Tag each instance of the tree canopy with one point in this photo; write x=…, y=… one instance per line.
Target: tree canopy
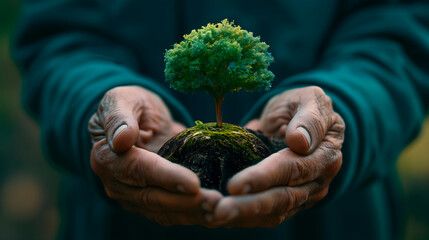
x=219, y=58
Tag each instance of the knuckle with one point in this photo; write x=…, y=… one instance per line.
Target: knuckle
x=113, y=93
x=163, y=219
x=328, y=101
x=112, y=119
x=339, y=120
x=100, y=158
x=131, y=171
x=295, y=171
x=275, y=221
x=303, y=199
x=145, y=171
x=332, y=159
x=113, y=189
x=338, y=125
x=135, y=171
x=300, y=170
x=146, y=197
x=320, y=182
x=110, y=193
x=107, y=102
x=150, y=216
x=280, y=219
x=278, y=176
x=94, y=165
x=94, y=127
x=317, y=197
x=317, y=90
x=324, y=110
x=321, y=96
x=337, y=163
x=308, y=205
x=288, y=198
x=324, y=193
x=266, y=207
x=329, y=155
x=127, y=206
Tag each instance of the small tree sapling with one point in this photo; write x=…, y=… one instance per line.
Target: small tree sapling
x=219, y=58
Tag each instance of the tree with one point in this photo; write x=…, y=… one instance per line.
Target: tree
x=219, y=58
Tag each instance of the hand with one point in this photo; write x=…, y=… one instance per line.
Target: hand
x=266, y=194
x=130, y=125
x=130, y=116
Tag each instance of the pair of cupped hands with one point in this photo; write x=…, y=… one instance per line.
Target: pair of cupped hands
x=132, y=124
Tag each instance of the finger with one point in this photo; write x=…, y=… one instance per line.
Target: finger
x=279, y=201
x=141, y=168
x=159, y=200
x=144, y=137
x=274, y=117
x=335, y=134
x=119, y=118
x=287, y=168
x=169, y=218
x=95, y=128
x=253, y=124
x=168, y=208
x=268, y=221
x=309, y=125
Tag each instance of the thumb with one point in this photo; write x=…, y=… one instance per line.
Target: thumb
x=121, y=129
x=307, y=129
x=253, y=124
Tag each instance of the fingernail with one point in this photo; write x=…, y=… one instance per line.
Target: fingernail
x=233, y=214
x=117, y=132
x=209, y=217
x=246, y=189
x=306, y=135
x=181, y=189
x=206, y=207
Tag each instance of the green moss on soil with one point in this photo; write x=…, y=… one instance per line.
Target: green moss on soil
x=229, y=136
x=215, y=153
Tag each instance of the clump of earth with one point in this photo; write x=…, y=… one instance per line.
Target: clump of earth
x=215, y=154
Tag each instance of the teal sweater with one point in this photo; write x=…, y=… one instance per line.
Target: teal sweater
x=370, y=57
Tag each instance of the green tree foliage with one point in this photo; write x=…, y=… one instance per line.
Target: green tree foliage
x=219, y=58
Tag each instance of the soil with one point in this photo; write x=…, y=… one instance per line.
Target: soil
x=215, y=154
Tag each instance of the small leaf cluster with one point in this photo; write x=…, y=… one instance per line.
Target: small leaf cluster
x=219, y=58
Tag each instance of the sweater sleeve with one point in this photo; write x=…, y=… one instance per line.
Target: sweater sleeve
x=375, y=68
x=68, y=61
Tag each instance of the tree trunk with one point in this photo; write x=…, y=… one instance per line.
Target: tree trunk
x=218, y=105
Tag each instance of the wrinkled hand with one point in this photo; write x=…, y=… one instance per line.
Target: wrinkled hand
x=266, y=194
x=131, y=124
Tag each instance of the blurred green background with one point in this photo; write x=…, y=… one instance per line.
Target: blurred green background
x=29, y=184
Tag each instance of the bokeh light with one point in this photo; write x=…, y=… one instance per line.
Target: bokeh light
x=21, y=197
